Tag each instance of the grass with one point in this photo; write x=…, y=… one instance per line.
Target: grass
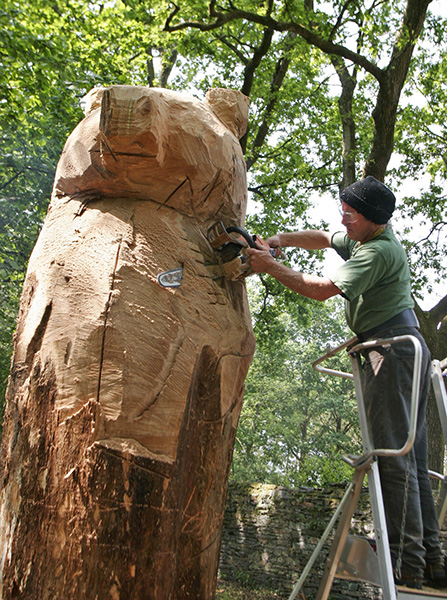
x=234, y=591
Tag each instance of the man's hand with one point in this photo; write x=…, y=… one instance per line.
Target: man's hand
x=275, y=244
x=260, y=257
x=311, y=286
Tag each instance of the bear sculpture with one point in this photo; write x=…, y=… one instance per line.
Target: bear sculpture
x=130, y=356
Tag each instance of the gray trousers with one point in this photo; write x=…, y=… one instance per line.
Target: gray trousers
x=387, y=383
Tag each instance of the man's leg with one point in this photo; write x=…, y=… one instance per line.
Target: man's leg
x=388, y=375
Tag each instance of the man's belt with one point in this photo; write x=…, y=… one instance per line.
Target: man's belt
x=406, y=318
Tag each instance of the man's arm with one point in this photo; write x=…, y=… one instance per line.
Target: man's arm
x=311, y=286
x=309, y=240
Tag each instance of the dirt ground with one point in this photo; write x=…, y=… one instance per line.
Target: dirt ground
x=233, y=591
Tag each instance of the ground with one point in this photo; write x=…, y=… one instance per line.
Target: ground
x=233, y=591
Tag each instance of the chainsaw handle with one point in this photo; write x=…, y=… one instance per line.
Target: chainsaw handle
x=247, y=237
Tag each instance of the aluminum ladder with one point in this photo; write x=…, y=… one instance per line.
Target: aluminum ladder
x=353, y=557
x=438, y=369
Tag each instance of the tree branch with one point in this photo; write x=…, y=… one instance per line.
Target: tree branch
x=436, y=226
x=233, y=48
x=255, y=61
x=267, y=21
x=282, y=67
x=13, y=178
x=167, y=64
x=345, y=102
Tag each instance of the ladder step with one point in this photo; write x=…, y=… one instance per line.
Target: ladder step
x=359, y=561
x=404, y=593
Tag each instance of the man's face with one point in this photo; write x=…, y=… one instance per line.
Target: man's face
x=358, y=227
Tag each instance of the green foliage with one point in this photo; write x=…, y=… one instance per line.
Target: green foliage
x=51, y=54
x=296, y=423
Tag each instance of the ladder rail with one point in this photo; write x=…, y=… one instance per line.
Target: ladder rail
x=330, y=352
x=354, y=350
x=440, y=393
x=330, y=526
x=441, y=402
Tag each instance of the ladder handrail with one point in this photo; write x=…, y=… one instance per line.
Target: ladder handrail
x=414, y=391
x=330, y=352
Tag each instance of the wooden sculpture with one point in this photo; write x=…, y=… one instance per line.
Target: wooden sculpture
x=124, y=395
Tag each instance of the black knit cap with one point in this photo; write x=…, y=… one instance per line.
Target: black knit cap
x=371, y=198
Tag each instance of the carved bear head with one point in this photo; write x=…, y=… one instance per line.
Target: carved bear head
x=159, y=145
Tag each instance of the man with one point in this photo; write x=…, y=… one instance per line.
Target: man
x=375, y=283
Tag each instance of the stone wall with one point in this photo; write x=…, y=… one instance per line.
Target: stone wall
x=270, y=533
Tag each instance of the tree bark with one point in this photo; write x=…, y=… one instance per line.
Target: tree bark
x=124, y=395
x=391, y=82
x=345, y=102
x=434, y=330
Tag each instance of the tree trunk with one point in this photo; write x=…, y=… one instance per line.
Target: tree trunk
x=434, y=329
x=124, y=395
x=348, y=84
x=391, y=82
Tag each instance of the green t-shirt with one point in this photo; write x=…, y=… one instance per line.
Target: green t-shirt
x=374, y=280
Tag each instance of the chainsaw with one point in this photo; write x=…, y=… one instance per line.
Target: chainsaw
x=230, y=245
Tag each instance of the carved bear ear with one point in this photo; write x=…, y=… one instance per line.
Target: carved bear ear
x=231, y=107
x=92, y=100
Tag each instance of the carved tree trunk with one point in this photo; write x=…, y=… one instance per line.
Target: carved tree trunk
x=124, y=395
